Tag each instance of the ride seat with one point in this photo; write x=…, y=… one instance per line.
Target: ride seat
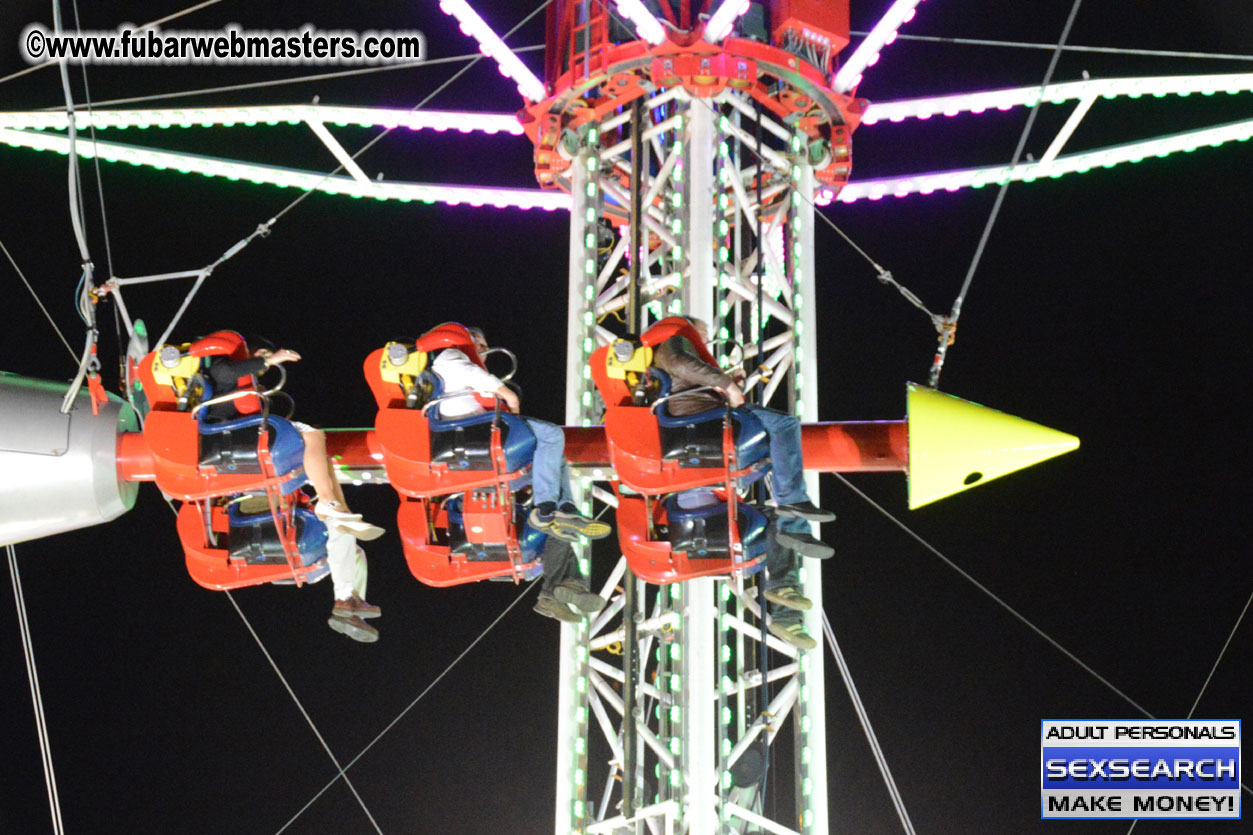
x=701, y=530
x=696, y=440
x=465, y=443
x=253, y=538
x=230, y=446
x=530, y=541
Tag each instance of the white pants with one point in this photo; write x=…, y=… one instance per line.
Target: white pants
x=346, y=560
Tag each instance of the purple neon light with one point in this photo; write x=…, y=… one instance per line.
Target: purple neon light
x=950, y=181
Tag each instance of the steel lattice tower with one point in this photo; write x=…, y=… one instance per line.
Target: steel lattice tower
x=663, y=710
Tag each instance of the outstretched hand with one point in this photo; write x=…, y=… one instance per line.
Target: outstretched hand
x=278, y=357
x=735, y=396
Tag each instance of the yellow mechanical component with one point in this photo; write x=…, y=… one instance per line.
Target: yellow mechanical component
x=613, y=649
x=641, y=358
x=176, y=377
x=955, y=444
x=406, y=372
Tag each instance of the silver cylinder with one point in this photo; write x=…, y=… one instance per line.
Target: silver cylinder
x=58, y=472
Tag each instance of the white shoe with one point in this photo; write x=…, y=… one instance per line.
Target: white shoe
x=356, y=528
x=332, y=510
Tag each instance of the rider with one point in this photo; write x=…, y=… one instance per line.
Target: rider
x=563, y=593
x=795, y=510
x=345, y=559
x=553, y=508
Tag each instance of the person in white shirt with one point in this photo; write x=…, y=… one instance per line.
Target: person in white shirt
x=553, y=509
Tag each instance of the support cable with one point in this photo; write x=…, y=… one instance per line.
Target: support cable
x=1221, y=653
x=1007, y=607
x=303, y=712
x=862, y=717
x=1107, y=50
x=39, y=302
x=948, y=333
x=367, y=146
x=412, y=704
x=88, y=362
x=300, y=79
x=41, y=724
x=263, y=229
x=95, y=154
x=1197, y=701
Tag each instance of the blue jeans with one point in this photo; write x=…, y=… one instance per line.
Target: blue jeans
x=550, y=475
x=785, y=453
x=782, y=565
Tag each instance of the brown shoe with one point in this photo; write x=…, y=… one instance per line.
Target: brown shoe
x=355, y=628
x=572, y=593
x=354, y=605
x=552, y=608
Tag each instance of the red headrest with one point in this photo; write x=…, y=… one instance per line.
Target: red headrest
x=220, y=344
x=450, y=335
x=677, y=326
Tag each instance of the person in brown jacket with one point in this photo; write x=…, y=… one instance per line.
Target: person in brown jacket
x=795, y=511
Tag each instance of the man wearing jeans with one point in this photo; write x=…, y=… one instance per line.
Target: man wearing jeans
x=791, y=537
x=554, y=510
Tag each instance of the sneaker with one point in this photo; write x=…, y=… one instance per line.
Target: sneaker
x=569, y=524
x=542, y=515
x=550, y=607
x=804, y=544
x=790, y=598
x=354, y=605
x=580, y=598
x=793, y=633
x=354, y=627
x=808, y=511
x=356, y=528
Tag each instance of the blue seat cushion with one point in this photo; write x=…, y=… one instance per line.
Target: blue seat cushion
x=231, y=447
x=465, y=443
x=254, y=539
x=696, y=440
x=702, y=531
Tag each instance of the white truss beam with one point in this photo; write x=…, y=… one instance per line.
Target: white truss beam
x=1106, y=88
x=337, y=150
x=453, y=195
x=250, y=116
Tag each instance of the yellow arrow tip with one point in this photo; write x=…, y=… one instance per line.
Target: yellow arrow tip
x=955, y=444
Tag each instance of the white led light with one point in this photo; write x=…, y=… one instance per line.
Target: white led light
x=439, y=120
x=452, y=195
x=646, y=26
x=723, y=19
x=493, y=47
x=867, y=52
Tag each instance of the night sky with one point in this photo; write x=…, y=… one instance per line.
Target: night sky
x=1113, y=305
